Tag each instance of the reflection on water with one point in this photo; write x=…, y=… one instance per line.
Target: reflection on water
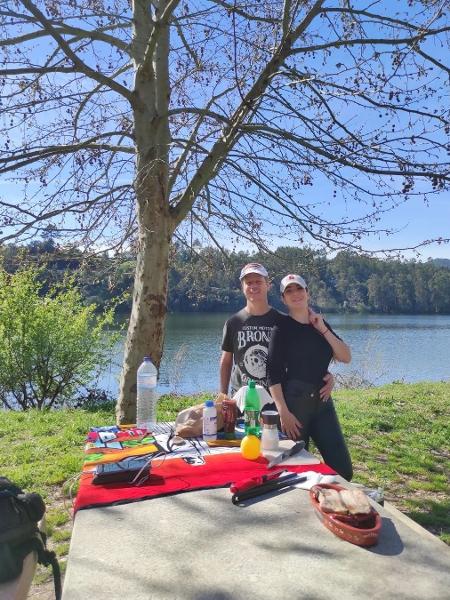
x=384, y=349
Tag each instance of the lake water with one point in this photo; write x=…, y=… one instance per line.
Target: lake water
x=385, y=348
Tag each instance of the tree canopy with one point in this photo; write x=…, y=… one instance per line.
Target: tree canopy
x=130, y=124
x=206, y=281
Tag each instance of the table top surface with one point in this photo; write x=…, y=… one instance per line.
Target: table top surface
x=198, y=545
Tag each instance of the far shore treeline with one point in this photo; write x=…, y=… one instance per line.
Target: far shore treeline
x=205, y=279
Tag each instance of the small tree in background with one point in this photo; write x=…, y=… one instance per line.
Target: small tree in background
x=51, y=344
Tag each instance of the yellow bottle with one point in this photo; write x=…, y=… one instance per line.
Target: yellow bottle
x=251, y=445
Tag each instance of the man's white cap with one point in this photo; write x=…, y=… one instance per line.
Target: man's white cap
x=292, y=279
x=253, y=268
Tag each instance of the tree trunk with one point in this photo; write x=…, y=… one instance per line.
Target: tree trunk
x=146, y=328
x=156, y=224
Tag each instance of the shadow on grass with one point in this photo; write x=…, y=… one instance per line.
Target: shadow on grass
x=93, y=400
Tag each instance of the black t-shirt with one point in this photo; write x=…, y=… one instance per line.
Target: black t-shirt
x=247, y=337
x=298, y=351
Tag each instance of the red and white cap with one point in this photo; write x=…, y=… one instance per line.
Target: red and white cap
x=292, y=279
x=253, y=268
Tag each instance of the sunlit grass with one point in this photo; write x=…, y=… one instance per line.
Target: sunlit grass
x=398, y=435
x=399, y=439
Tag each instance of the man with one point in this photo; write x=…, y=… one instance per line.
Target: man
x=246, y=335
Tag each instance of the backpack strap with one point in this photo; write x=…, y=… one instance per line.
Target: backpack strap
x=46, y=557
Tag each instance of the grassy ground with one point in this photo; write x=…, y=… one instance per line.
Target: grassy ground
x=399, y=439
x=398, y=435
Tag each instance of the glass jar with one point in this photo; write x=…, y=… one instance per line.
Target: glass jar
x=269, y=435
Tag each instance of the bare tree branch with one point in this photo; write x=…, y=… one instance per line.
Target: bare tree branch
x=210, y=165
x=83, y=67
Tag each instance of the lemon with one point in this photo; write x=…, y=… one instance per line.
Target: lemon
x=250, y=447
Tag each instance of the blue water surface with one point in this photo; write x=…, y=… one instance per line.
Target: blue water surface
x=385, y=348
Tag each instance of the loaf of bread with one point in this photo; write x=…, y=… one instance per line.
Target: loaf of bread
x=330, y=502
x=353, y=502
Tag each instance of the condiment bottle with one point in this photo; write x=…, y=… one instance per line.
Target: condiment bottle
x=209, y=421
x=269, y=435
x=229, y=410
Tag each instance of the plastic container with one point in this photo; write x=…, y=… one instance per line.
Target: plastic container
x=147, y=396
x=269, y=435
x=209, y=421
x=229, y=410
x=251, y=409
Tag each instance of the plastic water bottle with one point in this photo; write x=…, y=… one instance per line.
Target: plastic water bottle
x=251, y=409
x=146, y=394
x=209, y=421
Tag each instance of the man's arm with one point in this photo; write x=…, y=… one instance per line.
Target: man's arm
x=226, y=364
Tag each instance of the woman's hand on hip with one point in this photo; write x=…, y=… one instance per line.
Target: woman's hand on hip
x=325, y=391
x=290, y=425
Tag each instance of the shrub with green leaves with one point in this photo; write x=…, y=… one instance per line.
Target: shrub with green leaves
x=51, y=344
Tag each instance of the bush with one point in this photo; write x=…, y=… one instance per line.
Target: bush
x=50, y=344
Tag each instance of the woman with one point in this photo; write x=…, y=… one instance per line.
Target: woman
x=300, y=351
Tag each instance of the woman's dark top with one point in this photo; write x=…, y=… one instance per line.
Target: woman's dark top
x=298, y=351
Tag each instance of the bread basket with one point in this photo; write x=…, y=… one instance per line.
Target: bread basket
x=359, y=529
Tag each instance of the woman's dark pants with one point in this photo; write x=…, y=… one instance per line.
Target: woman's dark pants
x=320, y=423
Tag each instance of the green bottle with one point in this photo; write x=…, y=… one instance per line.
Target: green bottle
x=251, y=409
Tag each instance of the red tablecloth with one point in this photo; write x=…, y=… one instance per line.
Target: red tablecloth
x=175, y=475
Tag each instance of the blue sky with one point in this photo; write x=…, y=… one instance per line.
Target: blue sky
x=417, y=222
x=414, y=220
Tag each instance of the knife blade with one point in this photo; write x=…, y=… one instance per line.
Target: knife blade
x=298, y=447
x=271, y=486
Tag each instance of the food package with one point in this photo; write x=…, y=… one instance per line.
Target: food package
x=189, y=421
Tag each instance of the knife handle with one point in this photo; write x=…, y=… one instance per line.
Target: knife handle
x=287, y=454
x=270, y=486
x=297, y=447
x=246, y=484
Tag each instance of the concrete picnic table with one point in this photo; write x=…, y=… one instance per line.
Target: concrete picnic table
x=199, y=546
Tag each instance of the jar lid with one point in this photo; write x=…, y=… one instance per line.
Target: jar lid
x=270, y=417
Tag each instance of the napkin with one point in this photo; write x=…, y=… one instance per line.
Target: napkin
x=314, y=478
x=264, y=396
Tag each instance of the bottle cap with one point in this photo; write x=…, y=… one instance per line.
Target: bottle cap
x=147, y=358
x=209, y=403
x=270, y=417
x=251, y=383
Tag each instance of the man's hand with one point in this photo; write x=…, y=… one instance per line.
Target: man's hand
x=325, y=391
x=290, y=425
x=226, y=365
